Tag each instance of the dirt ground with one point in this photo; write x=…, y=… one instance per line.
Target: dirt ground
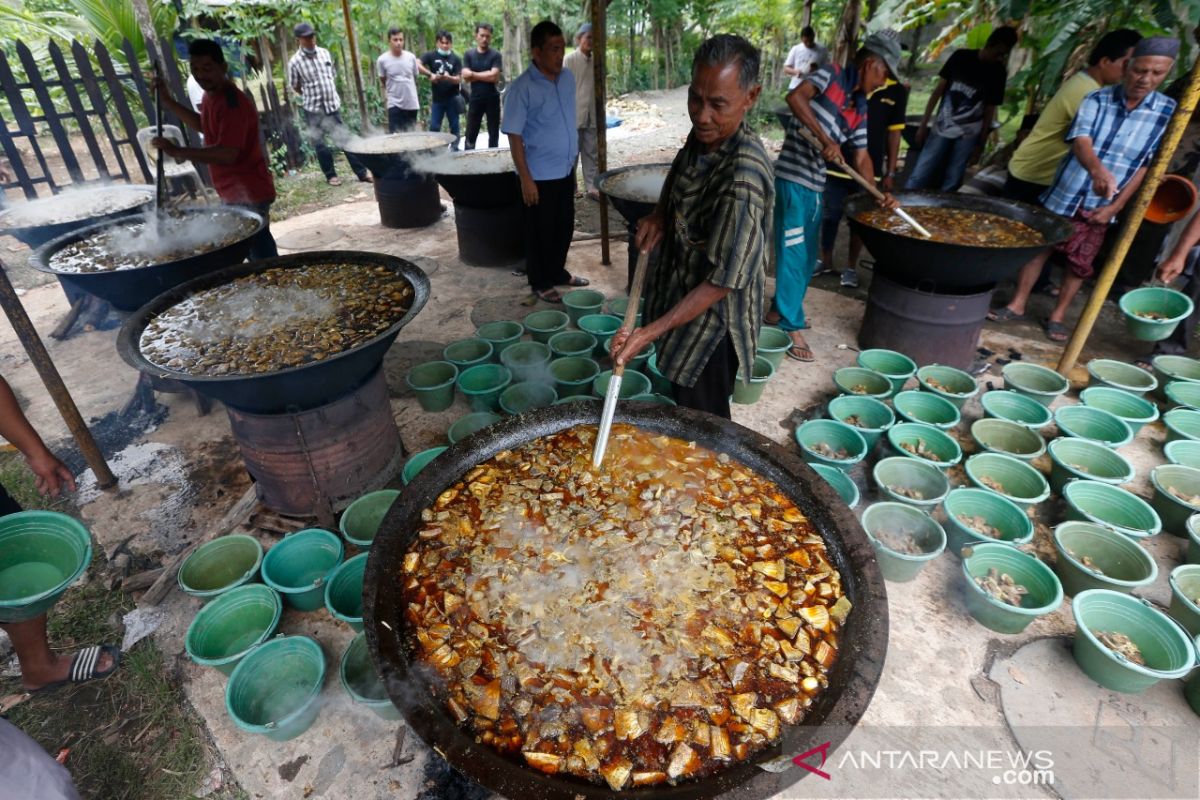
x=180, y=472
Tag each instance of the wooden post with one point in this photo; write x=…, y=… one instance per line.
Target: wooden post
x=1132, y=221
x=599, y=45
x=358, y=84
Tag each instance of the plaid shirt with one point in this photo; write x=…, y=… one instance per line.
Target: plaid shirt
x=718, y=214
x=314, y=76
x=842, y=112
x=1124, y=140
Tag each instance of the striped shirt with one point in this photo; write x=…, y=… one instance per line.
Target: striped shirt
x=718, y=215
x=841, y=109
x=1123, y=139
x=314, y=76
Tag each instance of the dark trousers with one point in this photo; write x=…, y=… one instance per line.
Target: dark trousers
x=321, y=126
x=263, y=244
x=1177, y=343
x=715, y=384
x=7, y=504
x=832, y=204
x=476, y=111
x=549, y=226
x=449, y=110
x=401, y=119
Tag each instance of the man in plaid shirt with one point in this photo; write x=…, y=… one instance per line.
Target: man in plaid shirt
x=310, y=72
x=1116, y=133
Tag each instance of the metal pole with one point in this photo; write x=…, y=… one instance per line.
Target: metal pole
x=1132, y=221
x=358, y=85
x=599, y=45
x=53, y=381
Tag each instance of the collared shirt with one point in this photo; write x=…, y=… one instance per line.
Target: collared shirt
x=718, y=217
x=585, y=95
x=314, y=75
x=1037, y=159
x=1124, y=140
x=841, y=110
x=542, y=113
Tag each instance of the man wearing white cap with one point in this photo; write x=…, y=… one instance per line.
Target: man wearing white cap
x=580, y=64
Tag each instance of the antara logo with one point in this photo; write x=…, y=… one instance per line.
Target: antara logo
x=802, y=760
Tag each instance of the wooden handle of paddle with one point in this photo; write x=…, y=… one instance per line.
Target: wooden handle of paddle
x=635, y=300
x=811, y=138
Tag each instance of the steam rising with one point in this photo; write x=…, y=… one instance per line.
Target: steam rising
x=76, y=205
x=394, y=143
x=641, y=185
x=467, y=162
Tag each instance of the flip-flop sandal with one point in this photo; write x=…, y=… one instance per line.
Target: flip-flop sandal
x=334, y=181
x=549, y=296
x=84, y=667
x=1005, y=314
x=794, y=352
x=1055, y=331
x=577, y=281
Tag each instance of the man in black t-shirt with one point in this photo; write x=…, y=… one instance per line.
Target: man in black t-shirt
x=444, y=70
x=971, y=85
x=481, y=68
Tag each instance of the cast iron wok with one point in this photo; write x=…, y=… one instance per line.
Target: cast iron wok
x=863, y=641
x=126, y=199
x=396, y=165
x=499, y=188
x=631, y=209
x=916, y=261
x=295, y=388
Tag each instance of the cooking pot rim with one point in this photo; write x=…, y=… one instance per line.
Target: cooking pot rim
x=146, y=190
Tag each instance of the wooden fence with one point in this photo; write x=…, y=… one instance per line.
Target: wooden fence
x=92, y=106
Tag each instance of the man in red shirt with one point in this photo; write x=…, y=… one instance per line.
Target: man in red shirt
x=232, y=150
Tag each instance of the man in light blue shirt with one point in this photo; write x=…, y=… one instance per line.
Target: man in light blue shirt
x=539, y=120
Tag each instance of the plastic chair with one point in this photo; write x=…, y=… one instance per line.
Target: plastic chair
x=172, y=169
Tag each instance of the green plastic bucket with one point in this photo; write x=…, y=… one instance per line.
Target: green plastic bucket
x=659, y=383
x=220, y=565
x=773, y=344
x=632, y=383
x=883, y=522
x=1072, y=459
x=1044, y=594
x=482, y=385
x=541, y=325
x=1018, y=482
x=1185, y=597
x=418, y=461
x=274, y=689
x=298, y=566
x=475, y=421
x=1003, y=515
x=1167, y=650
x=1119, y=375
x=529, y=361
x=1175, y=511
x=841, y=483
x=1173, y=307
x=1183, y=393
x=468, y=352
x=617, y=306
x=362, y=682
x=926, y=408
x=1114, y=561
x=601, y=327
x=863, y=383
x=1182, y=423
x=1183, y=451
x=749, y=392
x=224, y=630
x=433, y=384
x=1191, y=688
x=939, y=443
x=1111, y=506
x=1035, y=382
x=1193, y=549
x=362, y=518
x=572, y=344
x=638, y=362
x=1174, y=368
x=957, y=386
x=873, y=416
x=1007, y=438
x=1134, y=411
x=1093, y=424
x=344, y=590
x=837, y=436
x=573, y=375
x=1012, y=406
x=526, y=396
x=656, y=399
x=41, y=554
x=502, y=335
x=581, y=302
x=911, y=482
x=896, y=366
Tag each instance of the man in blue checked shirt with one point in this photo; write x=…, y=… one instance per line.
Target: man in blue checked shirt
x=1116, y=133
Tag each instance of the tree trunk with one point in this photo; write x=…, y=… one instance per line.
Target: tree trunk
x=806, y=15
x=847, y=32
x=141, y=10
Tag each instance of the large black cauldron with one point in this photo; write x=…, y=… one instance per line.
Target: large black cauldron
x=286, y=390
x=488, y=211
x=863, y=641
x=632, y=202
x=100, y=203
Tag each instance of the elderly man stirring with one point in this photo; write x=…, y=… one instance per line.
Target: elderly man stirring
x=704, y=300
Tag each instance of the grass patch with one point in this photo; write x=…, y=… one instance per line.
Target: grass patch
x=308, y=191
x=19, y=480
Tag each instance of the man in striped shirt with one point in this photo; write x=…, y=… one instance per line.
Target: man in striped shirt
x=831, y=105
x=1115, y=134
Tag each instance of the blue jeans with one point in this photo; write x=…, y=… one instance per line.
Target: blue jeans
x=449, y=109
x=951, y=155
x=797, y=236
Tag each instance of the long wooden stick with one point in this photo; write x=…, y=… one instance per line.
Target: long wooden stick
x=160, y=195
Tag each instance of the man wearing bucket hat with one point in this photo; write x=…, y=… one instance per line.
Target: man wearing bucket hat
x=830, y=104
x=1116, y=133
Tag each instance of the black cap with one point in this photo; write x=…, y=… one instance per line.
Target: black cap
x=303, y=29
